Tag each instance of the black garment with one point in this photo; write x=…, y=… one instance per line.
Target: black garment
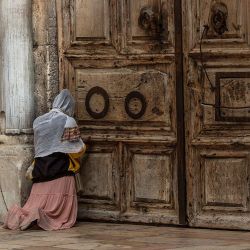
x=51, y=167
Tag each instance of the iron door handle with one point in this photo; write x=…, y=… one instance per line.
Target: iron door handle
x=150, y=21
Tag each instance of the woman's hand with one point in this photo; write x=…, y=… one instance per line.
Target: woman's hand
x=87, y=140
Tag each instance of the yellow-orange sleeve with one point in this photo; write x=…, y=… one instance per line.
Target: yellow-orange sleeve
x=74, y=163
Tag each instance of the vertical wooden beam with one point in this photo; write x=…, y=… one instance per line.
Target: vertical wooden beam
x=180, y=112
x=17, y=65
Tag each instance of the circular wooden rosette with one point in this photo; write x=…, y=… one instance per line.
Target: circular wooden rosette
x=104, y=94
x=141, y=98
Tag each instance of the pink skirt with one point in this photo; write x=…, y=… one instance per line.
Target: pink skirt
x=52, y=204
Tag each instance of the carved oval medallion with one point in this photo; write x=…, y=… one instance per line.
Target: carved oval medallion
x=97, y=91
x=138, y=97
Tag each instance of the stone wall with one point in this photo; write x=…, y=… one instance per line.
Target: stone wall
x=16, y=154
x=45, y=53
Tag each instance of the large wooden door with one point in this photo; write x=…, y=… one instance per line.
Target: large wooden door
x=122, y=60
x=217, y=101
x=119, y=59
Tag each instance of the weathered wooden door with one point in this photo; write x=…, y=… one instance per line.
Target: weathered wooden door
x=119, y=59
x=122, y=60
x=217, y=91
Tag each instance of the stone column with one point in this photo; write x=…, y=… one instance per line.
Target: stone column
x=17, y=74
x=16, y=101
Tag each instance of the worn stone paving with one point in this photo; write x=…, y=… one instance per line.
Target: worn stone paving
x=107, y=236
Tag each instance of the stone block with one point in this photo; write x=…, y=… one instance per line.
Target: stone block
x=14, y=188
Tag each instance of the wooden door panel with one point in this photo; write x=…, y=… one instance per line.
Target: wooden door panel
x=88, y=27
x=134, y=7
x=100, y=177
x=225, y=191
x=220, y=193
x=143, y=36
x=233, y=96
x=217, y=116
x=155, y=84
x=151, y=181
x=225, y=104
x=95, y=16
x=237, y=24
x=121, y=86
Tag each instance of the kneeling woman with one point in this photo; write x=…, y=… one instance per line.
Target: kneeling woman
x=52, y=203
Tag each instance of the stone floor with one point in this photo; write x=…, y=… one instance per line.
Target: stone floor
x=104, y=236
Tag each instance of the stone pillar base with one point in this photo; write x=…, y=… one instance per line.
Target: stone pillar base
x=16, y=155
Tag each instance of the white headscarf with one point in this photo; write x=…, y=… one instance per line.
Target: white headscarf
x=49, y=128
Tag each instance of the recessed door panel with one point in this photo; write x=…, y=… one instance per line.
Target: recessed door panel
x=151, y=180
x=227, y=23
x=95, y=16
x=148, y=26
x=100, y=173
x=128, y=95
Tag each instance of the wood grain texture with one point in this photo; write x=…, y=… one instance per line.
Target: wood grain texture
x=135, y=40
x=217, y=148
x=237, y=24
x=131, y=174
x=118, y=84
x=95, y=15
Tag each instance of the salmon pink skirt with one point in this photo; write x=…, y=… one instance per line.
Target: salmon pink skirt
x=52, y=205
